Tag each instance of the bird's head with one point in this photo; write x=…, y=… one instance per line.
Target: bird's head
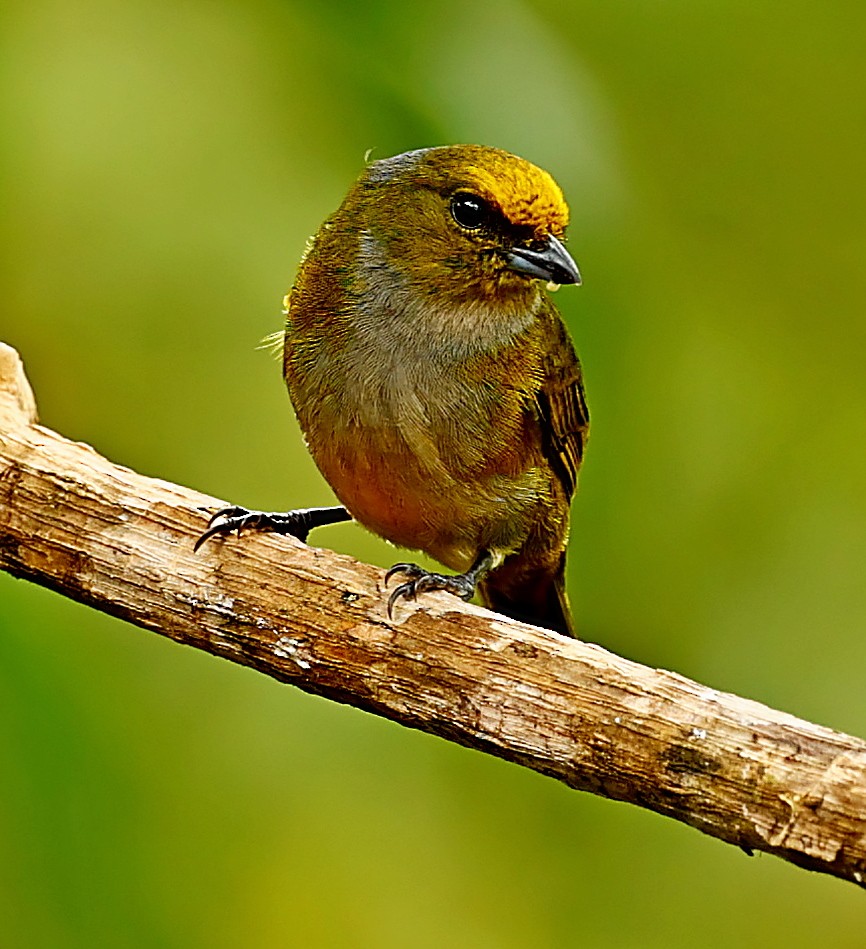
x=464, y=223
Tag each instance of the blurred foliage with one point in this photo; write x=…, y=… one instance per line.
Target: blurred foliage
x=161, y=166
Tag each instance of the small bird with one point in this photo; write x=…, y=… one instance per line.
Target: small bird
x=434, y=380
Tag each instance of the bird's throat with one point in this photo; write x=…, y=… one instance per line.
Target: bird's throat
x=395, y=312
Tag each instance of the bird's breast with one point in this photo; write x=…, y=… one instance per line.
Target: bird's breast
x=431, y=461
x=418, y=413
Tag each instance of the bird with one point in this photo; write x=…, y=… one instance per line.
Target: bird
x=434, y=380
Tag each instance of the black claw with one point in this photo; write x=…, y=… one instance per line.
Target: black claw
x=234, y=518
x=210, y=532
x=297, y=523
x=406, y=590
x=411, y=569
x=423, y=581
x=227, y=512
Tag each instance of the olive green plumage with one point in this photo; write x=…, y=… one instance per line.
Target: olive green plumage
x=436, y=385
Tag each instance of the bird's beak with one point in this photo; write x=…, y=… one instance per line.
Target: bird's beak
x=549, y=261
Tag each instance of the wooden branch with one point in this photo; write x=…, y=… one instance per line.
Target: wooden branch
x=737, y=770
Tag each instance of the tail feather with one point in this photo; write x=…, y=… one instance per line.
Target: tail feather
x=530, y=597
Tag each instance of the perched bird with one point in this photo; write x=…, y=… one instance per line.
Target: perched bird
x=434, y=380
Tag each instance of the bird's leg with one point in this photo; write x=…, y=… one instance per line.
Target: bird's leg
x=297, y=523
x=421, y=580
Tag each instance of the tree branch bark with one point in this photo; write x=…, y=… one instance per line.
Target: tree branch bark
x=122, y=543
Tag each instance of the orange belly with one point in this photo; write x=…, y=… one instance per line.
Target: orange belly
x=426, y=507
x=386, y=495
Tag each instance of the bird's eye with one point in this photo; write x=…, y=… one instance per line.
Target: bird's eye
x=468, y=210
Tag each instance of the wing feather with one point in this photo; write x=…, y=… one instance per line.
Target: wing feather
x=562, y=410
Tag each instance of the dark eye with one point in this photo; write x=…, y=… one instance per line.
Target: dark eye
x=468, y=210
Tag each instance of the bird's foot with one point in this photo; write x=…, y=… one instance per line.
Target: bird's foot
x=421, y=580
x=296, y=523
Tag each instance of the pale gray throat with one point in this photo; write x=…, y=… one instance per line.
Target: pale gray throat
x=393, y=316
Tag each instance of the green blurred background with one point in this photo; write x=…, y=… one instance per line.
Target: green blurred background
x=162, y=165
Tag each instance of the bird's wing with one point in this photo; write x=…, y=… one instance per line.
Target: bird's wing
x=562, y=409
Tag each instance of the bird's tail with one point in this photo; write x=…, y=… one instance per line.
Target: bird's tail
x=530, y=596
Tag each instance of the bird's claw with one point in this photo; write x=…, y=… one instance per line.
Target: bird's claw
x=235, y=518
x=422, y=581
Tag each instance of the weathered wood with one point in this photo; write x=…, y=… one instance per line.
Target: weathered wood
x=121, y=542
